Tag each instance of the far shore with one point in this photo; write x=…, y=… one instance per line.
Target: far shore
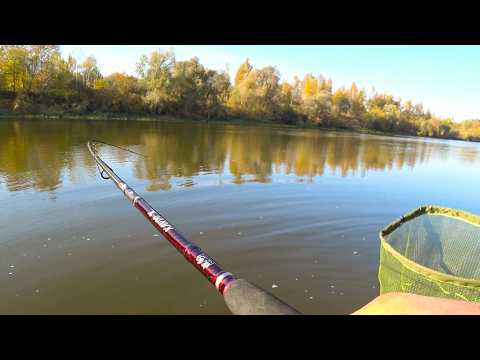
x=236, y=121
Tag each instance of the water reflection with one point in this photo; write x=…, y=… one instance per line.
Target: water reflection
x=41, y=154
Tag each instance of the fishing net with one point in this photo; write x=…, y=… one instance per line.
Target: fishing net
x=432, y=251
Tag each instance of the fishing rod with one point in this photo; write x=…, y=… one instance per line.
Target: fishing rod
x=241, y=296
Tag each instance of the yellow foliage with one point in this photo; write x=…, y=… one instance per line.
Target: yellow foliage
x=286, y=89
x=310, y=87
x=243, y=72
x=100, y=84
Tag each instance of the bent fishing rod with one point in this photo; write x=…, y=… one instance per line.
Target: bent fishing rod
x=241, y=296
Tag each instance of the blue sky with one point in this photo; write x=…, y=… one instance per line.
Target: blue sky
x=446, y=79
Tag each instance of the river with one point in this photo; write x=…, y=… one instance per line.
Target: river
x=296, y=211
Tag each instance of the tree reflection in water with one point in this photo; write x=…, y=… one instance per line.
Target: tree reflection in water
x=39, y=154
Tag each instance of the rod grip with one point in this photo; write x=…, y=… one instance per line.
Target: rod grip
x=244, y=298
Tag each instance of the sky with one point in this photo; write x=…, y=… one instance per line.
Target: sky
x=446, y=79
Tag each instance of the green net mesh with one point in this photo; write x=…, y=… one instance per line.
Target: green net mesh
x=432, y=251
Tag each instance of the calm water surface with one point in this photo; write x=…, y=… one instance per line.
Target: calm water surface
x=300, y=209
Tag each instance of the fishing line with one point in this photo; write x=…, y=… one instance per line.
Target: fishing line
x=101, y=171
x=116, y=146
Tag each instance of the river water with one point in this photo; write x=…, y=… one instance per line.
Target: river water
x=296, y=211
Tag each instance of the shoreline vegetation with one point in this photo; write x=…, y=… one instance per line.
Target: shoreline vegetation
x=232, y=121
x=36, y=82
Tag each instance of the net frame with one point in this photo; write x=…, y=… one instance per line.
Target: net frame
x=420, y=269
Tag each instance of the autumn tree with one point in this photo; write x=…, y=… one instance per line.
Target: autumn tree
x=13, y=65
x=119, y=92
x=258, y=94
x=37, y=79
x=89, y=72
x=243, y=72
x=342, y=102
x=155, y=75
x=310, y=86
x=357, y=108
x=217, y=91
x=318, y=108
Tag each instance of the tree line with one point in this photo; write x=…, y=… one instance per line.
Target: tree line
x=36, y=79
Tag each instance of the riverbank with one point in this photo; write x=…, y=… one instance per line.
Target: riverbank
x=236, y=121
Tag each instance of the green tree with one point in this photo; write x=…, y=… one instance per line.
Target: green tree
x=156, y=78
